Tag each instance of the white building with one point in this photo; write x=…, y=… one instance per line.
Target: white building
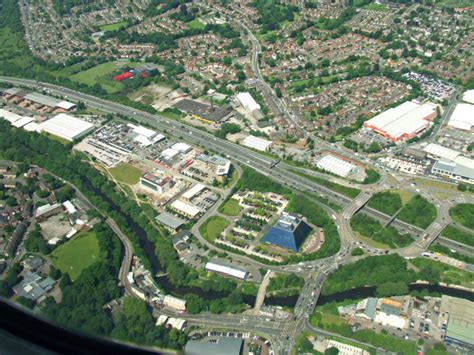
x=441, y=152
x=214, y=266
x=468, y=96
x=247, y=102
x=156, y=183
x=404, y=121
x=161, y=320
x=257, y=143
x=145, y=136
x=169, y=154
x=67, y=127
x=345, y=349
x=174, y=302
x=193, y=191
x=182, y=147
x=176, y=323
x=9, y=116
x=185, y=209
x=336, y=166
x=22, y=122
x=462, y=117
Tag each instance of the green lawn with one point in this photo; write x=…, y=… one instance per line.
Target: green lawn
x=76, y=254
x=101, y=74
x=458, y=235
x=377, y=7
x=230, y=208
x=386, y=202
x=449, y=274
x=196, y=24
x=463, y=213
x=213, y=227
x=113, y=26
x=126, y=173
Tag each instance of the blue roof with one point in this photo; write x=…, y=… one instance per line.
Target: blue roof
x=289, y=232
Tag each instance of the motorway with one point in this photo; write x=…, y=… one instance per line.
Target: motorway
x=316, y=271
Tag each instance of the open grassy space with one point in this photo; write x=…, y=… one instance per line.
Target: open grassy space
x=343, y=190
x=370, y=242
x=405, y=196
x=196, y=24
x=213, y=227
x=76, y=254
x=230, y=208
x=102, y=74
x=458, y=235
x=463, y=213
x=126, y=173
x=377, y=7
x=386, y=201
x=113, y=26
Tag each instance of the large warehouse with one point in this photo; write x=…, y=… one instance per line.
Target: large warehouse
x=462, y=117
x=336, y=166
x=247, y=102
x=256, y=143
x=460, y=329
x=67, y=127
x=223, y=268
x=404, y=121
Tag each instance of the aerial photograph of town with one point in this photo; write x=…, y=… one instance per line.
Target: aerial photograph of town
x=237, y=177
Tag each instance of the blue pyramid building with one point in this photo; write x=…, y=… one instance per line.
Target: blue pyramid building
x=288, y=232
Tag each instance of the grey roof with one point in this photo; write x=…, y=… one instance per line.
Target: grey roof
x=12, y=91
x=182, y=236
x=463, y=171
x=168, y=220
x=213, y=159
x=371, y=307
x=33, y=263
x=223, y=346
x=445, y=166
x=33, y=287
x=43, y=99
x=203, y=110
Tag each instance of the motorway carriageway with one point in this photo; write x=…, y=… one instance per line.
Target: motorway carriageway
x=204, y=139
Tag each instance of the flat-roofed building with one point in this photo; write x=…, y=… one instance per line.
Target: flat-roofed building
x=391, y=306
x=462, y=117
x=22, y=122
x=193, y=192
x=460, y=329
x=169, y=221
x=226, y=269
x=174, y=302
x=47, y=211
x=67, y=127
x=345, y=349
x=177, y=323
x=336, y=166
x=185, y=209
x=9, y=116
x=182, y=147
x=219, y=346
x=257, y=143
x=439, y=151
x=404, y=121
x=204, y=112
x=160, y=184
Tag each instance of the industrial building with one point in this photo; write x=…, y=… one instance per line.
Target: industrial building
x=169, y=221
x=289, y=232
x=345, y=349
x=220, y=164
x=468, y=96
x=460, y=328
x=462, y=117
x=223, y=268
x=9, y=116
x=249, y=104
x=182, y=147
x=438, y=151
x=22, y=122
x=33, y=286
x=67, y=127
x=45, y=211
x=39, y=100
x=203, y=112
x=257, y=143
x=174, y=302
x=404, y=121
x=144, y=136
x=176, y=323
x=185, y=209
x=156, y=183
x=220, y=346
x=460, y=169
x=336, y=166
x=193, y=192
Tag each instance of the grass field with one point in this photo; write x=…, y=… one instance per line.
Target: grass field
x=101, y=74
x=76, y=254
x=370, y=242
x=377, y=7
x=113, y=26
x=458, y=235
x=463, y=213
x=126, y=173
x=213, y=227
x=404, y=195
x=196, y=24
x=230, y=208
x=449, y=274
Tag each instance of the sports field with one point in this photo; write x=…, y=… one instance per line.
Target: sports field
x=101, y=74
x=126, y=173
x=76, y=254
x=113, y=26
